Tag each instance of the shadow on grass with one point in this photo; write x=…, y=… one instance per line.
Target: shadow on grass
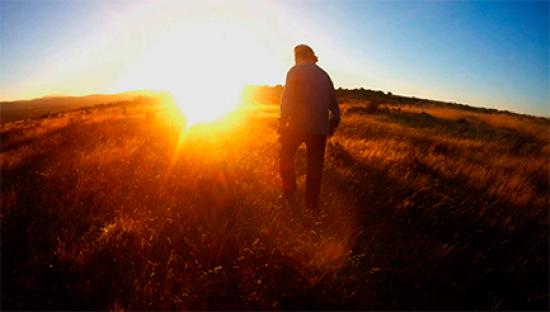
x=33, y=277
x=419, y=250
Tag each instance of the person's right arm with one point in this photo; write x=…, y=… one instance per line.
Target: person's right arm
x=286, y=99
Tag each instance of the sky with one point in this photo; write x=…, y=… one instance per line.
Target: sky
x=481, y=53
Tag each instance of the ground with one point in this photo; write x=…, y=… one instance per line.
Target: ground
x=125, y=207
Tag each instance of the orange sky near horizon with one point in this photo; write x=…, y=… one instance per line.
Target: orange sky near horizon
x=446, y=51
x=203, y=54
x=181, y=47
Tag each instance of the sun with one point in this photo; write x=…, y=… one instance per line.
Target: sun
x=204, y=54
x=206, y=69
x=204, y=62
x=202, y=68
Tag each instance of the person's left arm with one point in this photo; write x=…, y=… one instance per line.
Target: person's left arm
x=334, y=108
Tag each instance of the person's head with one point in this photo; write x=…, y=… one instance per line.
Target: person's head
x=304, y=54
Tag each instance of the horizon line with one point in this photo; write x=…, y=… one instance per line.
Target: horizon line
x=388, y=92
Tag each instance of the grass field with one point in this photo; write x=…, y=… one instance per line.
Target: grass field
x=116, y=207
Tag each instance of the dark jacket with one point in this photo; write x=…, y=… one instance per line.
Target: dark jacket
x=307, y=99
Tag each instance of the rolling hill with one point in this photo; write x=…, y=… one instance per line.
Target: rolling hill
x=122, y=206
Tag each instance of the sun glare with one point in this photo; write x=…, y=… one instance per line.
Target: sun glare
x=203, y=61
x=207, y=80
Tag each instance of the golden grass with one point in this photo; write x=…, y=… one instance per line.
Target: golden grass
x=120, y=209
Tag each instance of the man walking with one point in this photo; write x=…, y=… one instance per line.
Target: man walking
x=307, y=100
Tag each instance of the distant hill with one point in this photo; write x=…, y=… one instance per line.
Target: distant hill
x=15, y=110
x=271, y=95
x=21, y=109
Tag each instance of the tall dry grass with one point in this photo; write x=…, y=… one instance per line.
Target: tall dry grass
x=118, y=208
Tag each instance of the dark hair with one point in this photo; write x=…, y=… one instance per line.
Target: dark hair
x=304, y=52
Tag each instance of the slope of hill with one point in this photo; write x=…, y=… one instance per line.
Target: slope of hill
x=16, y=110
x=120, y=207
x=271, y=94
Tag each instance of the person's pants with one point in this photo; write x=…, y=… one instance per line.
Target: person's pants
x=315, y=149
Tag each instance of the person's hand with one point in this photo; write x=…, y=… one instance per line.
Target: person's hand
x=282, y=129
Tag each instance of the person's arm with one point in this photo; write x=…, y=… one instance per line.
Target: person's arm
x=286, y=100
x=334, y=109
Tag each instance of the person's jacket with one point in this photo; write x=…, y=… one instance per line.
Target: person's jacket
x=308, y=98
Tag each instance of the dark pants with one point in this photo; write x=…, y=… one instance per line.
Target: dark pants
x=315, y=146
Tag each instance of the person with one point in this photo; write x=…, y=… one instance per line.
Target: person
x=309, y=113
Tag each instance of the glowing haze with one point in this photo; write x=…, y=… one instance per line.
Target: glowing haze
x=487, y=54
x=204, y=53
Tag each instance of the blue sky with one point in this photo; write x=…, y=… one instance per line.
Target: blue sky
x=483, y=53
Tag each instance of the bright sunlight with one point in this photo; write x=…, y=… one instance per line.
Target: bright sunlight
x=204, y=62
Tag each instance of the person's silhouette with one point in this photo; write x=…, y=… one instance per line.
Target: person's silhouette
x=308, y=98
